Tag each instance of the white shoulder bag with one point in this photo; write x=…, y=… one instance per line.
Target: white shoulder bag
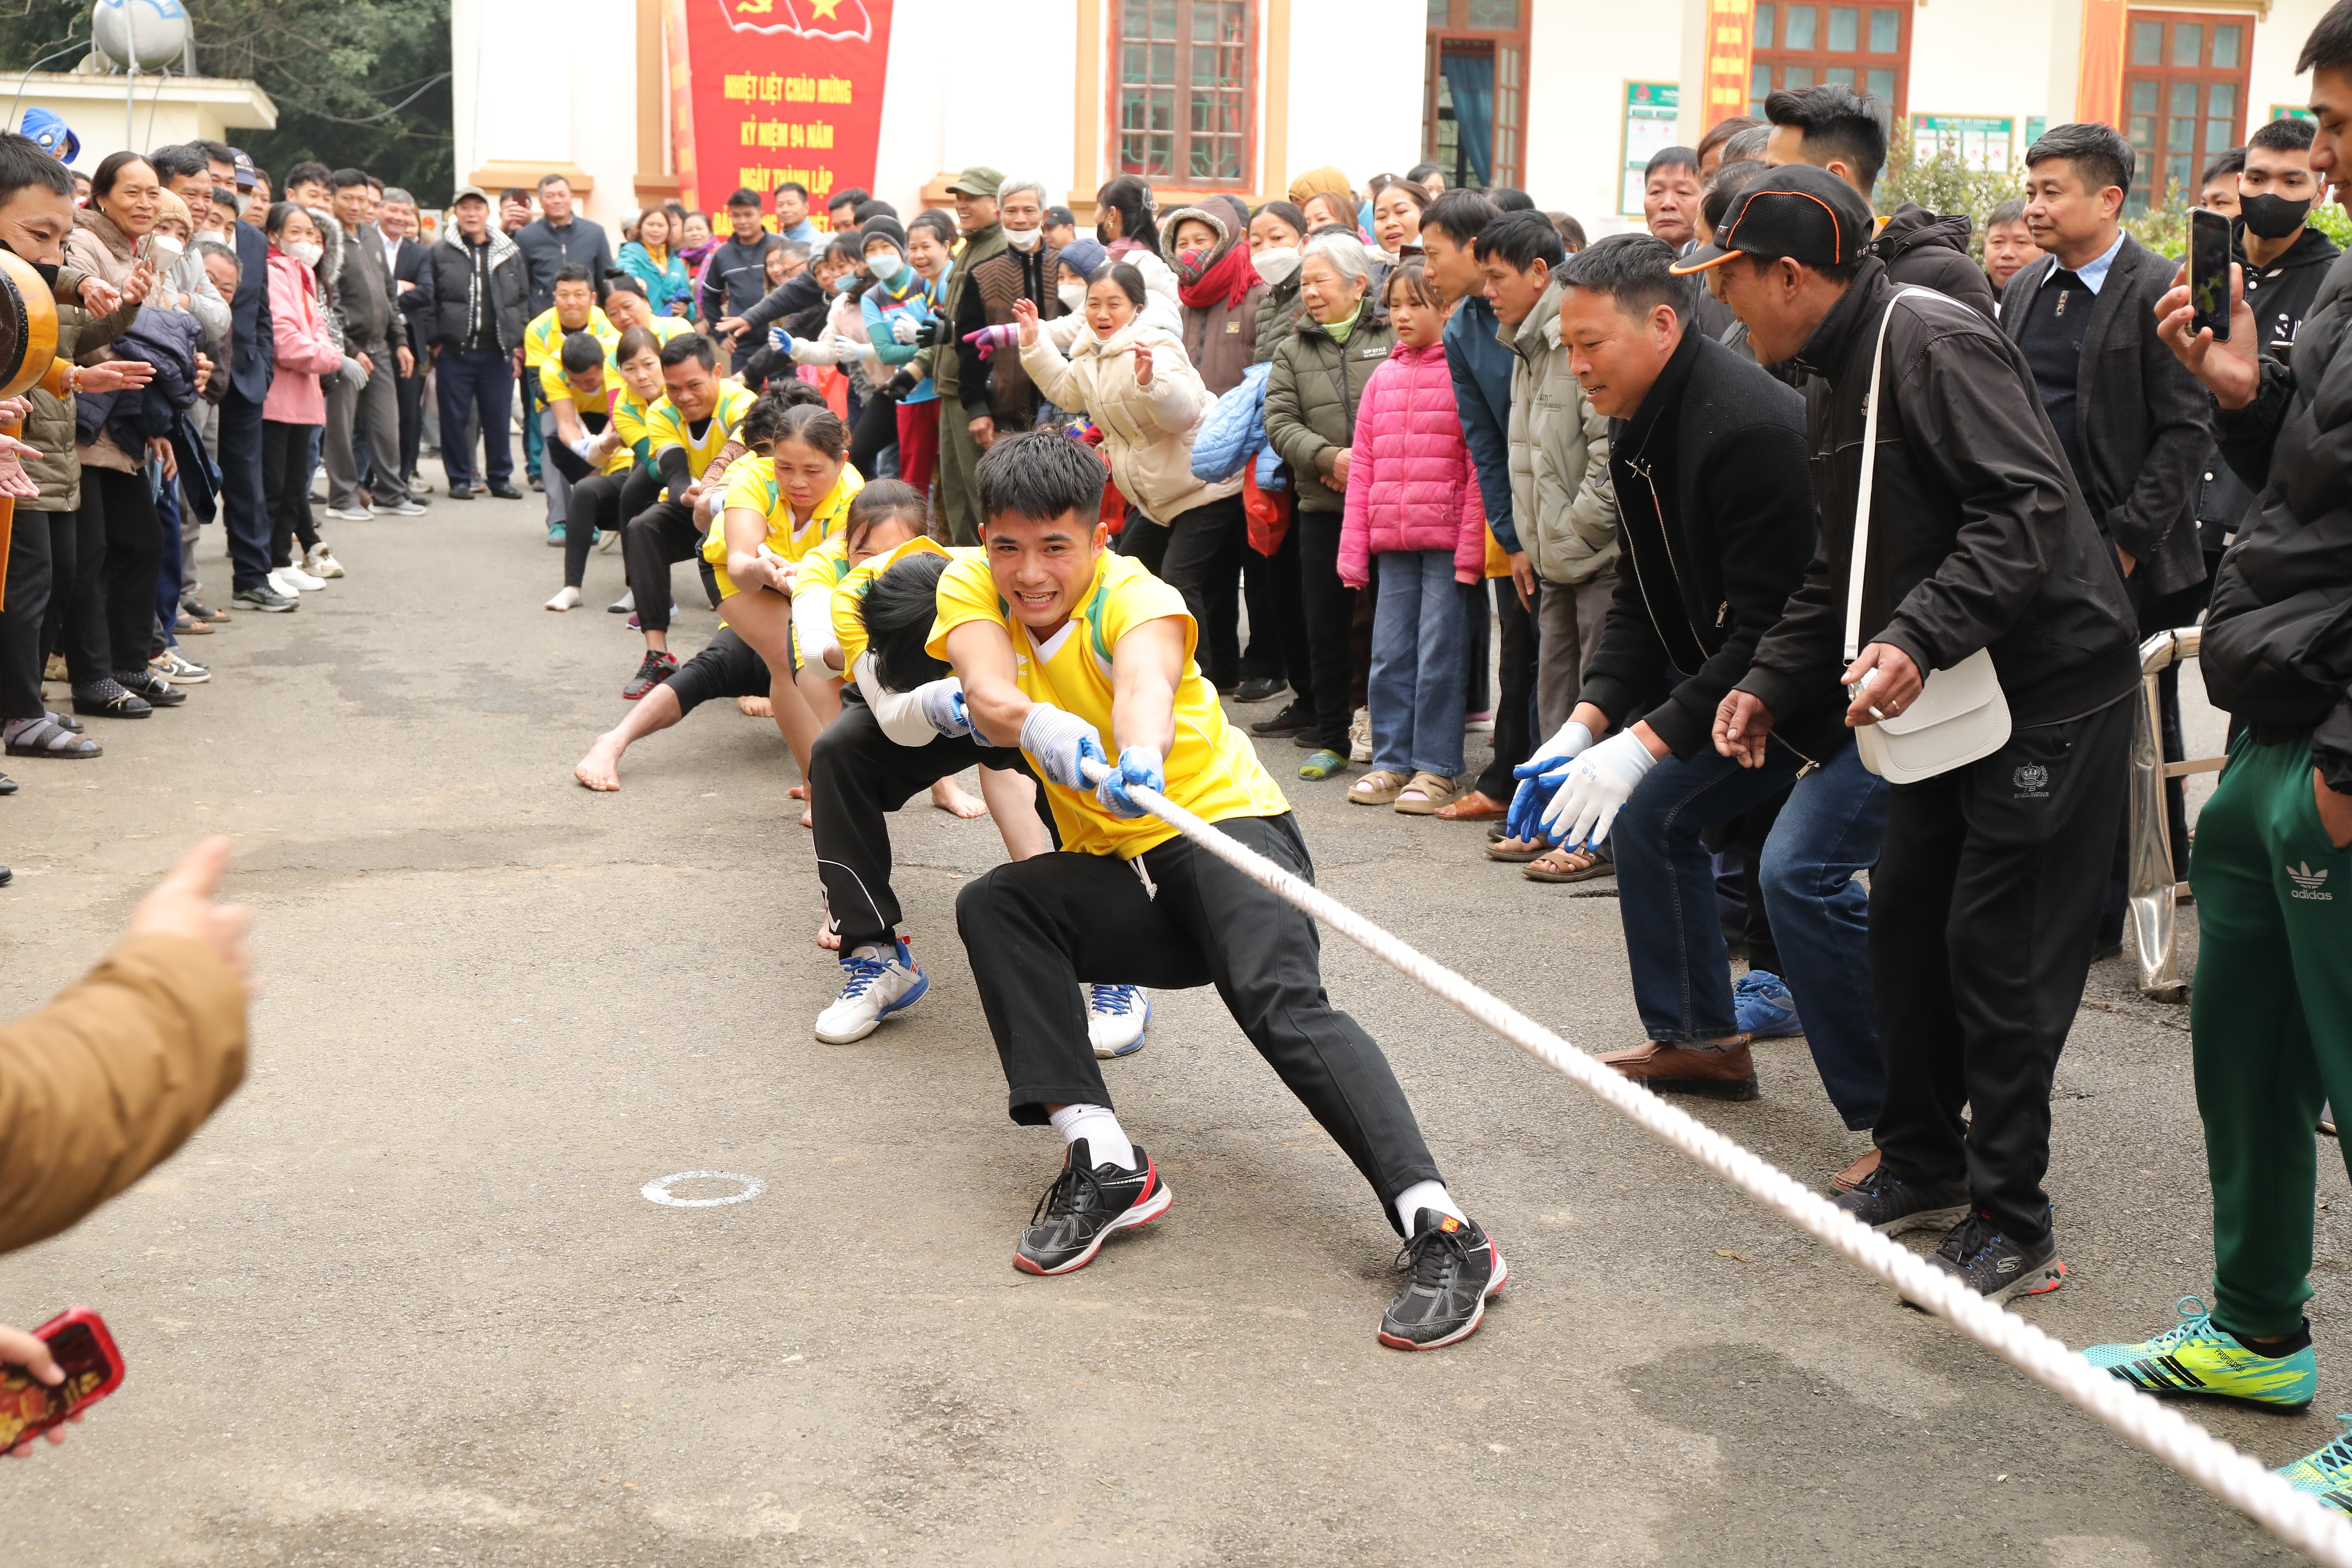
x=1961, y=714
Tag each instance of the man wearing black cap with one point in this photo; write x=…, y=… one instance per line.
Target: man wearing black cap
x=975, y=191
x=1986, y=898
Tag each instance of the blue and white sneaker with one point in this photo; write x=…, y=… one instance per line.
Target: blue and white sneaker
x=555, y=534
x=1765, y=1009
x=1117, y=1017
x=876, y=988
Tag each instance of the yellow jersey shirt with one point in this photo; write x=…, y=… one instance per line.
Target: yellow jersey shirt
x=542, y=351
x=751, y=487
x=1211, y=771
x=666, y=426
x=849, y=598
x=629, y=413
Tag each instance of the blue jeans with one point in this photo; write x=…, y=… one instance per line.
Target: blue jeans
x=1420, y=645
x=1829, y=830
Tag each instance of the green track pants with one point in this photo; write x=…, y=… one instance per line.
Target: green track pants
x=2270, y=1017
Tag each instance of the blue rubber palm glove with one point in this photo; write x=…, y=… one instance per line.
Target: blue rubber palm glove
x=943, y=708
x=1540, y=777
x=1060, y=743
x=1137, y=765
x=1599, y=783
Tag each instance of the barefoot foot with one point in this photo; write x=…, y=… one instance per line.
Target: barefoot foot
x=601, y=768
x=949, y=796
x=756, y=707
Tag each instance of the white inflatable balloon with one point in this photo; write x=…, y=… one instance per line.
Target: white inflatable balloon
x=151, y=34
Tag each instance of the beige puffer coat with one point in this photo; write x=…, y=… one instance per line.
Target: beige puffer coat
x=102, y=251
x=1562, y=501
x=1148, y=430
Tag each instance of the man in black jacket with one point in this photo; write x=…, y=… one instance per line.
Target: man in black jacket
x=253, y=361
x=1831, y=127
x=2271, y=1019
x=1716, y=515
x=478, y=325
x=373, y=334
x=411, y=287
x=736, y=278
x=1987, y=886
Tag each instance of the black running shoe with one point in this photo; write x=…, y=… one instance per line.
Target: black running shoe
x=1996, y=1266
x=1082, y=1207
x=1891, y=1206
x=461, y=493
x=656, y=668
x=154, y=689
x=1455, y=1266
x=1296, y=715
x=107, y=700
x=267, y=600
x=1261, y=689
x=507, y=492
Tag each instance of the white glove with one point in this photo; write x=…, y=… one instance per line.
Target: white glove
x=848, y=348
x=905, y=328
x=1060, y=743
x=819, y=352
x=942, y=706
x=1540, y=777
x=1600, y=783
x=352, y=371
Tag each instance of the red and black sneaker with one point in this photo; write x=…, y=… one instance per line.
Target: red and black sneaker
x=656, y=668
x=1455, y=1266
x=1084, y=1205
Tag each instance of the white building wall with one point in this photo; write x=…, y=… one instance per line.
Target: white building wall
x=525, y=92
x=2277, y=40
x=1953, y=72
x=963, y=88
x=1581, y=54
x=1357, y=76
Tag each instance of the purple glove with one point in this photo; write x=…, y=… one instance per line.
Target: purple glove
x=990, y=339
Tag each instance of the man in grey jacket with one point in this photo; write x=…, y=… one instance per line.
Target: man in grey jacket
x=363, y=292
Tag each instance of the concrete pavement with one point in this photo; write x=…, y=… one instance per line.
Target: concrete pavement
x=403, y=1302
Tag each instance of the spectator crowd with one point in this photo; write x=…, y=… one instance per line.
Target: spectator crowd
x=1795, y=557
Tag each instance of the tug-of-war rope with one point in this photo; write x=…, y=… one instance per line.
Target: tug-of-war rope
x=2244, y=1483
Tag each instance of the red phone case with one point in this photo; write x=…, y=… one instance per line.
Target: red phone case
x=85, y=1352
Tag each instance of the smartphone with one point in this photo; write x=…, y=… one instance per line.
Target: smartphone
x=85, y=1352
x=2209, y=272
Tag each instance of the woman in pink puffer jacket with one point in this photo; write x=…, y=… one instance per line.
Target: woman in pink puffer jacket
x=1414, y=516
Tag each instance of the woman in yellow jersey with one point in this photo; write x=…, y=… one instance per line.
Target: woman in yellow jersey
x=1071, y=654
x=625, y=307
x=730, y=667
x=626, y=481
x=781, y=504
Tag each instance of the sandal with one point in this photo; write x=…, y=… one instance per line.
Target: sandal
x=1561, y=865
x=1426, y=793
x=1322, y=765
x=1473, y=805
x=45, y=737
x=1517, y=851
x=1378, y=787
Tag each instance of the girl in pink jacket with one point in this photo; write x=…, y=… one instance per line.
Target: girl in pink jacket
x=1413, y=515
x=295, y=406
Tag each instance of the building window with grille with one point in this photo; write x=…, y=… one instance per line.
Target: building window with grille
x=2185, y=82
x=1473, y=118
x=1865, y=47
x=1187, y=76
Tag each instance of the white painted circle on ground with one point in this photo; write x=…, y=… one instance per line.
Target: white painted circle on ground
x=659, y=1192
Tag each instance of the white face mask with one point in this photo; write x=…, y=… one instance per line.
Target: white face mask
x=1073, y=297
x=1025, y=238
x=166, y=253
x=306, y=252
x=1275, y=263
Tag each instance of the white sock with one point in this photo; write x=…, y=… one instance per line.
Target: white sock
x=1107, y=1142
x=1426, y=1195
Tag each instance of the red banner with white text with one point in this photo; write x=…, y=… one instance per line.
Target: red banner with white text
x=778, y=91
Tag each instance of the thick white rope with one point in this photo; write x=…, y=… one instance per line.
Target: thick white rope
x=2243, y=1482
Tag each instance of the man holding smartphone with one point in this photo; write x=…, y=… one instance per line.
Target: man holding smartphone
x=2271, y=1017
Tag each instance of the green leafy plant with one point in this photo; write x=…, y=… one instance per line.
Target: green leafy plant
x=2332, y=220
x=1946, y=184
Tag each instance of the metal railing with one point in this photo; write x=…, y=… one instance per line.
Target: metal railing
x=2154, y=890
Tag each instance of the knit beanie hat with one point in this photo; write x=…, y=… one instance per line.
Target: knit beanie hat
x=1084, y=257
x=880, y=227
x=1325, y=180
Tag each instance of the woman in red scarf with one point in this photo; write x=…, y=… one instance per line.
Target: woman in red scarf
x=1207, y=246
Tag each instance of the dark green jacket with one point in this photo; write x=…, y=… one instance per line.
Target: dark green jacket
x=1312, y=397
x=50, y=424
x=1277, y=318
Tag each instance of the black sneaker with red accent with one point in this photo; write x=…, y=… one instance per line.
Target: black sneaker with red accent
x=1997, y=1265
x=1455, y=1266
x=656, y=668
x=1084, y=1205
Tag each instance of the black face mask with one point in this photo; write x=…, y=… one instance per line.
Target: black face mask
x=2274, y=217
x=47, y=270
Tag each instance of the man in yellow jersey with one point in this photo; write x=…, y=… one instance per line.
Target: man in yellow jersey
x=575, y=310
x=1060, y=644
x=691, y=430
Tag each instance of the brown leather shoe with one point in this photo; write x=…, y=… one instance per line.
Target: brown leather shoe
x=1726, y=1074
x=1854, y=1175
